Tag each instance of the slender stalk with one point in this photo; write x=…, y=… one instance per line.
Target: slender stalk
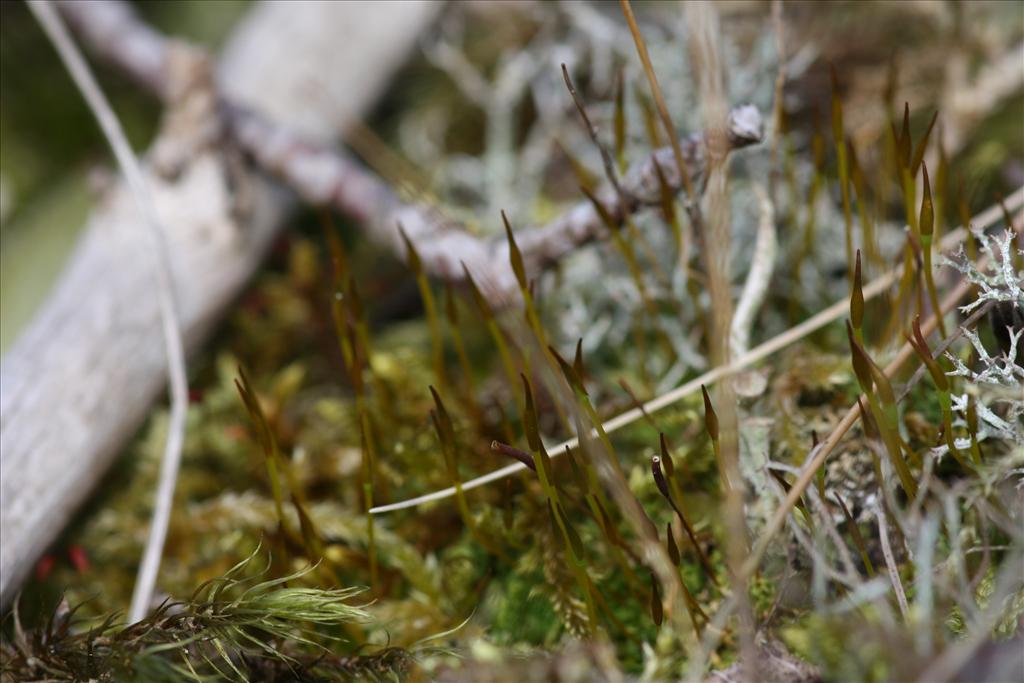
x=55, y=30
x=323, y=176
x=839, y=137
x=468, y=390
x=368, y=467
x=511, y=372
x=926, y=225
x=890, y=565
x=858, y=540
x=429, y=307
x=659, y=99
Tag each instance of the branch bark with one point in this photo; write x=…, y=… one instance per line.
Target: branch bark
x=81, y=378
x=323, y=175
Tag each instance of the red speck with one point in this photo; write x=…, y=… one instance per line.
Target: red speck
x=45, y=566
x=78, y=558
x=282, y=245
x=253, y=304
x=195, y=395
x=236, y=432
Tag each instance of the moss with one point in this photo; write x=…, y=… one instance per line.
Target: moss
x=350, y=416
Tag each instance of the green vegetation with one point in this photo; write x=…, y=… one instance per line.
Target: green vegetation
x=343, y=380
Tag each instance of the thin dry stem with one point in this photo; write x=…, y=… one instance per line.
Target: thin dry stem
x=779, y=27
x=703, y=32
x=890, y=564
x=606, y=157
x=758, y=277
x=652, y=78
x=55, y=30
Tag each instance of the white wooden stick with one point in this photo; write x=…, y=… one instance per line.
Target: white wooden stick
x=82, y=376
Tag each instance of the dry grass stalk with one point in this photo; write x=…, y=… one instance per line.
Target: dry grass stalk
x=705, y=56
x=51, y=22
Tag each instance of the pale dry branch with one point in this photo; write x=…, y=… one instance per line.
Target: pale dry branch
x=83, y=375
x=323, y=175
x=758, y=277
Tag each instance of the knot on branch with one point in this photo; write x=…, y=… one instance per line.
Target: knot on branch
x=743, y=127
x=192, y=122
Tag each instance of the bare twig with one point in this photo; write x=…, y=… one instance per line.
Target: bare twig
x=323, y=175
x=890, y=563
x=781, y=341
x=114, y=33
x=81, y=377
x=758, y=277
x=606, y=157
x=51, y=22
